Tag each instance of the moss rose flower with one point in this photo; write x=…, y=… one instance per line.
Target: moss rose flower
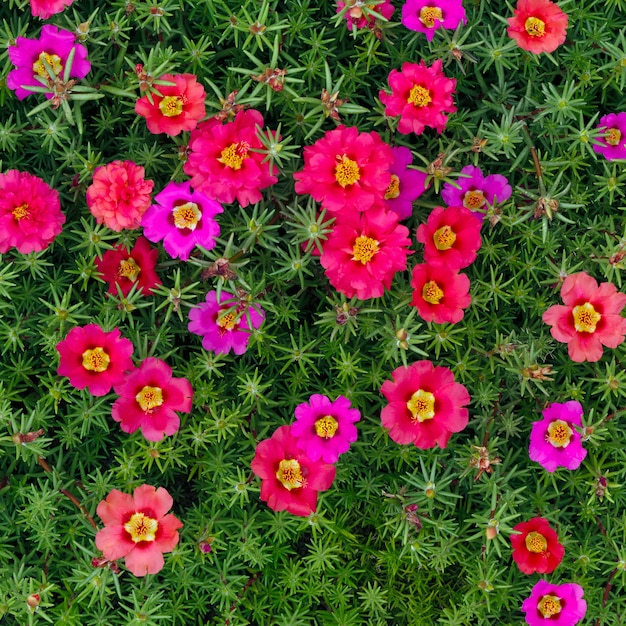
x=536, y=547
x=43, y=9
x=426, y=16
x=537, y=26
x=612, y=145
x=555, y=605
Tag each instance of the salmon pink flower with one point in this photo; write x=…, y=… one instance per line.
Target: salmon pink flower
x=537, y=26
x=138, y=528
x=406, y=184
x=426, y=16
x=589, y=319
x=555, y=605
x=43, y=9
x=149, y=399
x=290, y=480
x=425, y=405
x=613, y=144
x=357, y=18
x=536, y=547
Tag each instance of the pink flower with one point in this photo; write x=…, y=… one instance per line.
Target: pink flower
x=589, y=319
x=536, y=547
x=54, y=46
x=612, y=145
x=425, y=405
x=149, y=397
x=357, y=18
x=221, y=328
x=406, y=184
x=119, y=195
x=325, y=429
x=421, y=96
x=138, y=528
x=555, y=605
x=93, y=358
x=43, y=9
x=554, y=440
x=537, y=26
x=30, y=213
x=290, y=480
x=426, y=16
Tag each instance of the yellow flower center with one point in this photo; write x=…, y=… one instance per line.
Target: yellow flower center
x=149, y=398
x=364, y=249
x=129, y=269
x=228, y=321
x=326, y=426
x=549, y=605
x=187, y=216
x=289, y=474
x=428, y=15
x=432, y=292
x=536, y=542
x=474, y=200
x=422, y=405
x=52, y=60
x=234, y=155
x=393, y=191
x=347, y=171
x=444, y=238
x=171, y=106
x=612, y=136
x=586, y=318
x=140, y=527
x=559, y=434
x=535, y=27
x=419, y=96
x=96, y=360
x=21, y=211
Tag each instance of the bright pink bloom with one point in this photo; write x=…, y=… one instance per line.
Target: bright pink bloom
x=426, y=16
x=589, y=319
x=93, y=358
x=346, y=170
x=138, y=528
x=555, y=605
x=119, y=195
x=554, y=440
x=537, y=26
x=325, y=429
x=450, y=237
x=54, y=45
x=440, y=294
x=290, y=480
x=425, y=405
x=364, y=251
x=613, y=144
x=221, y=328
x=536, y=549
x=149, y=397
x=30, y=213
x=421, y=96
x=406, y=184
x=356, y=17
x=180, y=107
x=43, y=9
x=222, y=161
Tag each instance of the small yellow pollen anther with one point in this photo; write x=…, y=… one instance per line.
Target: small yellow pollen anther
x=140, y=527
x=419, y=96
x=535, y=27
x=171, y=106
x=347, y=171
x=96, y=360
x=186, y=216
x=326, y=426
x=364, y=249
x=149, y=398
x=422, y=405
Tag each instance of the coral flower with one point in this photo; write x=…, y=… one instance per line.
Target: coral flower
x=537, y=26
x=119, y=195
x=123, y=268
x=224, y=161
x=536, y=548
x=221, y=328
x=440, y=294
x=613, y=144
x=149, y=397
x=357, y=18
x=426, y=16
x=30, y=213
x=179, y=107
x=555, y=605
x=450, y=237
x=364, y=251
x=346, y=170
x=138, y=528
x=421, y=96
x=43, y=9
x=425, y=405
x=290, y=480
x=325, y=429
x=54, y=46
x=554, y=440
x=406, y=184
x=93, y=358
x=589, y=319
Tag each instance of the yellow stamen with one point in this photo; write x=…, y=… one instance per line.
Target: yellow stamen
x=52, y=60
x=393, y=191
x=96, y=360
x=186, y=216
x=347, y=171
x=536, y=542
x=586, y=318
x=432, y=292
x=21, y=211
x=559, y=434
x=289, y=474
x=149, y=398
x=326, y=426
x=613, y=136
x=234, y=155
x=535, y=27
x=419, y=96
x=474, y=200
x=129, y=269
x=428, y=15
x=140, y=527
x=444, y=238
x=422, y=406
x=364, y=249
x=549, y=605
x=228, y=321
x=171, y=106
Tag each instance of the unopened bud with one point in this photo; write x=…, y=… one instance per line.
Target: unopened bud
x=33, y=600
x=491, y=532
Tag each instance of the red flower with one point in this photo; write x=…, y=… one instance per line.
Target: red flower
x=421, y=96
x=223, y=163
x=425, y=405
x=43, y=9
x=364, y=251
x=180, y=107
x=450, y=237
x=589, y=319
x=440, y=294
x=124, y=268
x=138, y=528
x=536, y=548
x=290, y=480
x=346, y=170
x=537, y=26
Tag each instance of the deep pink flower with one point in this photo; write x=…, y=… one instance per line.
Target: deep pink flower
x=325, y=429
x=554, y=440
x=43, y=9
x=149, y=397
x=356, y=17
x=138, y=528
x=221, y=329
x=426, y=16
x=406, y=184
x=290, y=480
x=536, y=547
x=54, y=45
x=613, y=144
x=555, y=605
x=30, y=213
x=538, y=26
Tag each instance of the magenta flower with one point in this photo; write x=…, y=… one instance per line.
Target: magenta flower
x=477, y=192
x=54, y=46
x=221, y=329
x=426, y=16
x=325, y=429
x=555, y=605
x=406, y=184
x=613, y=144
x=554, y=442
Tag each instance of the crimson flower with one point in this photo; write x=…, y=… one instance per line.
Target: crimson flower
x=537, y=26
x=536, y=549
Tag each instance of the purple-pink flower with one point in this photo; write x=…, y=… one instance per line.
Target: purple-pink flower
x=612, y=145
x=426, y=16
x=325, y=429
x=406, y=184
x=555, y=605
x=554, y=440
